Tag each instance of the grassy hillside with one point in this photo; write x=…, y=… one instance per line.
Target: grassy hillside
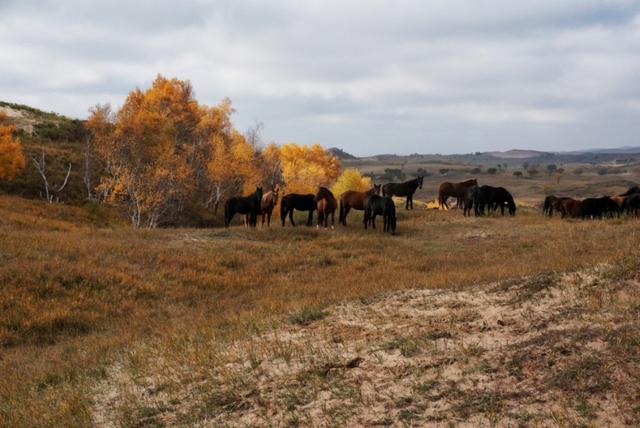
x=60, y=137
x=84, y=295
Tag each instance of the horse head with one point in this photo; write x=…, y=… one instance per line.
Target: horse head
x=323, y=193
x=420, y=178
x=376, y=188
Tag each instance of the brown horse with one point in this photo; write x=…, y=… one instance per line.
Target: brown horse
x=572, y=208
x=456, y=190
x=326, y=204
x=352, y=199
x=269, y=201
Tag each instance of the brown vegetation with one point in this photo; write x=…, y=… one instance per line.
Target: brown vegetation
x=83, y=295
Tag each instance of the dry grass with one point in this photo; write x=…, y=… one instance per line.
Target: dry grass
x=80, y=293
x=478, y=356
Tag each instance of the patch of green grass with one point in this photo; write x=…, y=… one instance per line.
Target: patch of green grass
x=486, y=402
x=408, y=347
x=589, y=375
x=308, y=315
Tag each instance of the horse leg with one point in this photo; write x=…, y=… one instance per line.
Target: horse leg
x=291, y=218
x=310, y=218
x=333, y=219
x=347, y=208
x=373, y=220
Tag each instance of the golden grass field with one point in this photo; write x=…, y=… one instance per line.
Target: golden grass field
x=82, y=293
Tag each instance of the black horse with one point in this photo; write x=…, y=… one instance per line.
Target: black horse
x=470, y=196
x=243, y=205
x=492, y=198
x=599, y=207
x=631, y=191
x=380, y=205
x=631, y=204
x=298, y=202
x=408, y=188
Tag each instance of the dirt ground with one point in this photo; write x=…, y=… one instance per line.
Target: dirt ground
x=555, y=349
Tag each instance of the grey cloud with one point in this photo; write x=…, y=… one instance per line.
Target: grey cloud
x=368, y=76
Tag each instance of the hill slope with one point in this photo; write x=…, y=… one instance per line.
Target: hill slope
x=60, y=138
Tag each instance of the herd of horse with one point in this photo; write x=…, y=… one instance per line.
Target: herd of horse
x=468, y=194
x=604, y=206
x=326, y=204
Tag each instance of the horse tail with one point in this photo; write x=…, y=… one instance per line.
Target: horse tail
x=547, y=205
x=283, y=209
x=440, y=197
x=227, y=209
x=341, y=215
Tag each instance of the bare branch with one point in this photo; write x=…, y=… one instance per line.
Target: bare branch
x=41, y=168
x=66, y=179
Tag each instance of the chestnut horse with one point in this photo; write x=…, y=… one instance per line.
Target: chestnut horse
x=352, y=199
x=456, y=190
x=269, y=201
x=326, y=204
x=552, y=203
x=571, y=207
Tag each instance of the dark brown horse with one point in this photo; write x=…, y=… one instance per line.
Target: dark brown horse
x=352, y=199
x=455, y=190
x=407, y=188
x=248, y=205
x=552, y=203
x=326, y=205
x=571, y=207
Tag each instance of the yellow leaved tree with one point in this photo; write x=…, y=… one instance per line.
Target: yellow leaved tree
x=351, y=179
x=12, y=159
x=305, y=168
x=231, y=167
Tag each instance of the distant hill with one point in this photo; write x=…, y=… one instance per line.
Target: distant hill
x=517, y=154
x=341, y=154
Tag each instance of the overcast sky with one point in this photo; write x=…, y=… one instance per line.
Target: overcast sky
x=367, y=76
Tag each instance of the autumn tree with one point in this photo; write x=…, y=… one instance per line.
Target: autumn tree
x=145, y=146
x=163, y=151
x=12, y=159
x=271, y=166
x=351, y=179
x=232, y=167
x=305, y=168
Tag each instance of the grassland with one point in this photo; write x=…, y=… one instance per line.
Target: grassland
x=84, y=296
